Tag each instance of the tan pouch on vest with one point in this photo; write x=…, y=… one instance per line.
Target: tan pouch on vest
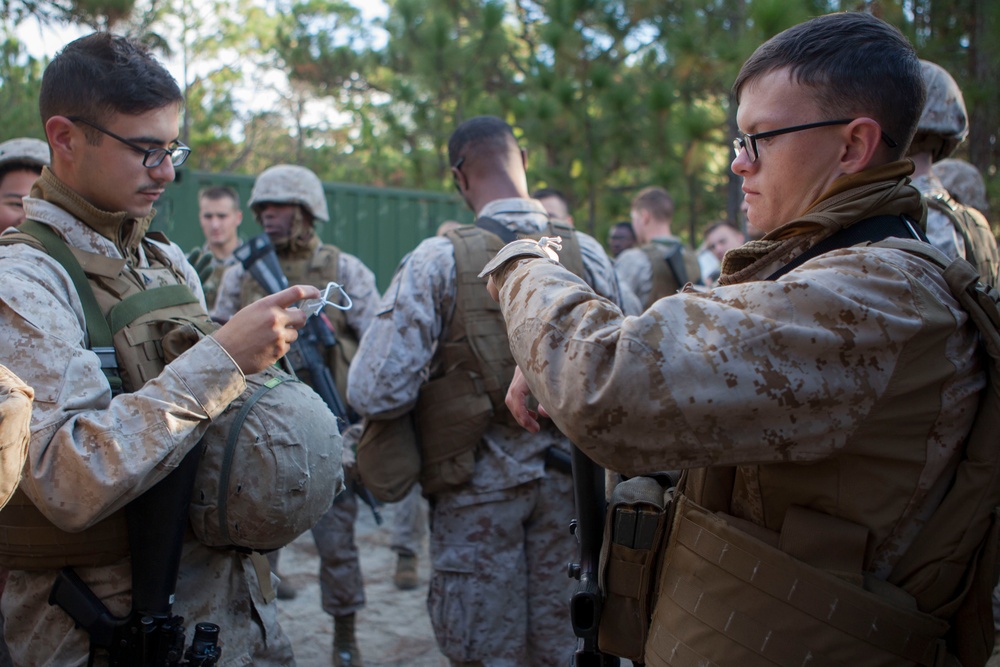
x=388, y=457
x=637, y=519
x=452, y=415
x=726, y=598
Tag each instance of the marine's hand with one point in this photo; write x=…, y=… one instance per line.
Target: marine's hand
x=261, y=333
x=518, y=395
x=492, y=289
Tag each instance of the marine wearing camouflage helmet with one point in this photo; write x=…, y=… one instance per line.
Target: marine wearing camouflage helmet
x=290, y=184
x=956, y=229
x=21, y=162
x=944, y=122
x=287, y=201
x=24, y=151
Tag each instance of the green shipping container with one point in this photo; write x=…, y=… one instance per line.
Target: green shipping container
x=378, y=225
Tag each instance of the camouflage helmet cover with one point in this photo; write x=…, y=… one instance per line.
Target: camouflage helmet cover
x=24, y=150
x=290, y=184
x=944, y=123
x=963, y=181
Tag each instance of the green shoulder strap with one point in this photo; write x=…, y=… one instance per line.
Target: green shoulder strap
x=98, y=331
x=101, y=329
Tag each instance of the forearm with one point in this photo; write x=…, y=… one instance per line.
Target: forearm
x=91, y=454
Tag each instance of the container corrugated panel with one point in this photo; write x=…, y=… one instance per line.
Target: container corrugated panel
x=378, y=225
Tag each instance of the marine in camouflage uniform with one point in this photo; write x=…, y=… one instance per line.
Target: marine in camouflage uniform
x=956, y=229
x=90, y=454
x=305, y=259
x=220, y=216
x=660, y=265
x=845, y=387
x=499, y=543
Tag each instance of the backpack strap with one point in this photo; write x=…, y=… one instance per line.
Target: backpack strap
x=869, y=230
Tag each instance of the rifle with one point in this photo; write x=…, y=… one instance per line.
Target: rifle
x=259, y=259
x=149, y=636
x=588, y=527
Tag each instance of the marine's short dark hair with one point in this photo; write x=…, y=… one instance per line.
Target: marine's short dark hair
x=488, y=134
x=542, y=193
x=625, y=225
x=216, y=192
x=102, y=74
x=655, y=200
x=718, y=225
x=857, y=64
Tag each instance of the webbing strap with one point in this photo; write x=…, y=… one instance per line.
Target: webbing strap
x=869, y=230
x=132, y=307
x=98, y=332
x=227, y=458
x=97, y=327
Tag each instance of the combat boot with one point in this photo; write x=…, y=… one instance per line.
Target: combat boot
x=345, y=644
x=406, y=571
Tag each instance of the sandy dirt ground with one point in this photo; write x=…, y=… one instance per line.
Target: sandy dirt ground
x=393, y=628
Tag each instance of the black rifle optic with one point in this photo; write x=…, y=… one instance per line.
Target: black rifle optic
x=150, y=636
x=259, y=259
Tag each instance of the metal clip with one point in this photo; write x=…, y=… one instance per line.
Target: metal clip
x=315, y=306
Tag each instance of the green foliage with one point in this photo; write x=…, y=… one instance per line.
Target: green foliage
x=20, y=83
x=607, y=96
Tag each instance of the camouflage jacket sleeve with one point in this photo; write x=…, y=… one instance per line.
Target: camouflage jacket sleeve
x=359, y=283
x=396, y=350
x=91, y=454
x=753, y=373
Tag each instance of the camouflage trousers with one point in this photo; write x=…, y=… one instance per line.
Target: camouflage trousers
x=499, y=593
x=340, y=583
x=410, y=523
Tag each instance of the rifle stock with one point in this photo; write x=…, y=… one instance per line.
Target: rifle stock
x=150, y=636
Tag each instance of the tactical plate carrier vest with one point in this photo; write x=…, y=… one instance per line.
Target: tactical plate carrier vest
x=473, y=367
x=28, y=540
x=672, y=266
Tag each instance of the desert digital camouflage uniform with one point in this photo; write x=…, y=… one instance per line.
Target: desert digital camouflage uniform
x=214, y=281
x=847, y=386
x=91, y=454
x=341, y=582
x=498, y=593
x=635, y=272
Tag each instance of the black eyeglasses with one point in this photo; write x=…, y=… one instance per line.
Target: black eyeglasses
x=749, y=141
x=151, y=157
